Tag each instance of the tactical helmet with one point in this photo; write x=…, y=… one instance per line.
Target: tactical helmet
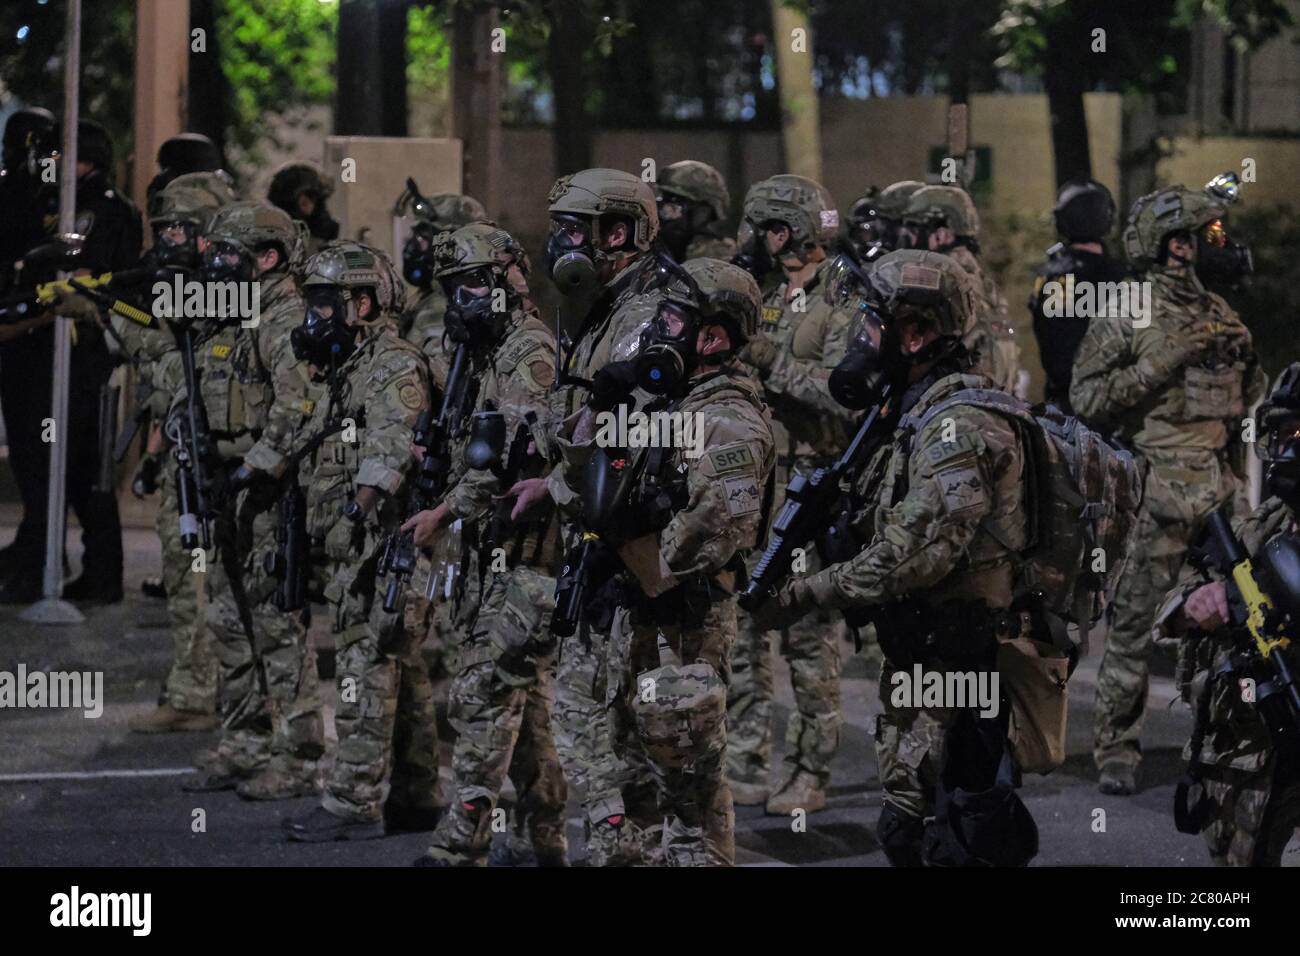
x=294, y=178
x=928, y=280
x=721, y=292
x=248, y=224
x=450, y=210
x=189, y=153
x=600, y=192
x=94, y=145
x=946, y=206
x=349, y=265
x=474, y=246
x=193, y=197
x=1084, y=211
x=893, y=199
x=1283, y=400
x=805, y=206
x=699, y=182
x=1157, y=215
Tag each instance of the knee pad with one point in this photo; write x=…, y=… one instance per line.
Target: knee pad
x=900, y=835
x=681, y=713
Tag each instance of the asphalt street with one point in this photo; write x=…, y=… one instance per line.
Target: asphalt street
x=79, y=791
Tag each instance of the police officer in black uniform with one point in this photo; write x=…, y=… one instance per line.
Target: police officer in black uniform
x=113, y=235
x=1085, y=215
x=181, y=154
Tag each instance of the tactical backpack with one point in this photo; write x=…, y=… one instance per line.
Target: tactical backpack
x=1081, y=496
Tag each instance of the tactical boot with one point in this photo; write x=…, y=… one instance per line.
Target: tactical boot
x=1118, y=779
x=154, y=588
x=282, y=779
x=319, y=825
x=752, y=794
x=410, y=819
x=166, y=719
x=216, y=778
x=614, y=842
x=803, y=792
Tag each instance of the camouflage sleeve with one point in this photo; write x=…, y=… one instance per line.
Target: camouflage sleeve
x=290, y=407
x=724, y=494
x=807, y=380
x=1109, y=375
x=523, y=389
x=920, y=540
x=396, y=393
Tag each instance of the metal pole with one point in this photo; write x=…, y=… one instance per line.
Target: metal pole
x=52, y=609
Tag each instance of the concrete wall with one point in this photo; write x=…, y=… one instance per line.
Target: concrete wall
x=1196, y=159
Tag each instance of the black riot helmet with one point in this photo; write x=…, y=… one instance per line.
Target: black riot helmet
x=94, y=145
x=29, y=135
x=1084, y=211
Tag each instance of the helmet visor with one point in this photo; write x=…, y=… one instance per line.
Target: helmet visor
x=570, y=232
x=466, y=288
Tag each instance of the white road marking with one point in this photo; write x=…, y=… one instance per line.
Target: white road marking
x=92, y=775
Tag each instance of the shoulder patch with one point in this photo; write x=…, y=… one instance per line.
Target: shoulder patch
x=733, y=457
x=960, y=487
x=743, y=494
x=541, y=373
x=962, y=446
x=516, y=351
x=409, y=395
x=771, y=314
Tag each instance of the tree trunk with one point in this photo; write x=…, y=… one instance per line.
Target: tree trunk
x=1063, y=77
x=800, y=122
x=392, y=65
x=476, y=102
x=570, y=39
x=208, y=90
x=358, y=109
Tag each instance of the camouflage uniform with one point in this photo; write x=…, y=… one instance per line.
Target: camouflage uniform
x=502, y=691
x=387, y=758
x=1179, y=410
x=945, y=525
x=810, y=338
x=254, y=392
x=191, y=685
x=1254, y=802
x=610, y=327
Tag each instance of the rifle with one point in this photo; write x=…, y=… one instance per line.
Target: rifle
x=1263, y=596
x=192, y=450
x=398, y=558
x=812, y=505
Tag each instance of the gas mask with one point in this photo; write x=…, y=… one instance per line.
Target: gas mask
x=679, y=220
x=667, y=356
x=227, y=262
x=325, y=339
x=752, y=254
x=471, y=317
x=571, y=255
x=176, y=245
x=1220, y=260
x=417, y=263
x=1281, y=455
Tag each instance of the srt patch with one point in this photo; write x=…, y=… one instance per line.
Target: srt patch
x=960, y=447
x=733, y=457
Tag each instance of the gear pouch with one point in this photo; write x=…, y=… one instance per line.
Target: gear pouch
x=1214, y=392
x=519, y=635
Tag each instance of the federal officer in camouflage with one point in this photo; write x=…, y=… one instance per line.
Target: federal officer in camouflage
x=1248, y=783
x=421, y=322
x=694, y=508
x=599, y=252
x=944, y=522
x=694, y=207
x=385, y=774
x=181, y=214
x=1173, y=385
x=875, y=218
x=255, y=394
x=502, y=692
x=944, y=219
x=801, y=338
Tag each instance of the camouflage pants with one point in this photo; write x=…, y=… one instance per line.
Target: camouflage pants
x=500, y=704
x=1251, y=820
x=679, y=712
x=430, y=622
x=388, y=735
x=909, y=750
x=269, y=702
x=1174, y=501
x=192, y=680
x=812, y=649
